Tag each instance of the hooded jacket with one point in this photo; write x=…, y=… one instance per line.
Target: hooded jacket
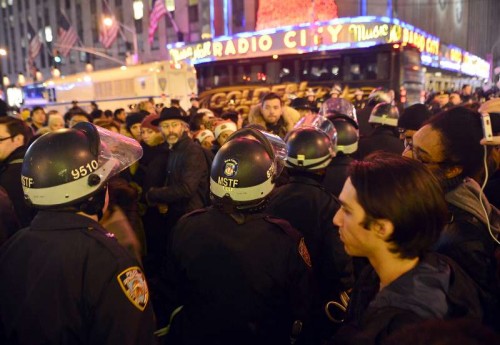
x=467, y=240
x=289, y=118
x=437, y=288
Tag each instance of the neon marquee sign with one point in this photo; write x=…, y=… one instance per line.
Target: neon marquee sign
x=343, y=32
x=340, y=33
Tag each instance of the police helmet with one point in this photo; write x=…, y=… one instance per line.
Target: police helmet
x=378, y=95
x=347, y=133
x=70, y=166
x=300, y=103
x=309, y=148
x=337, y=106
x=244, y=170
x=384, y=114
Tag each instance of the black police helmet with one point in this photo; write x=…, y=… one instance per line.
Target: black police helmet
x=384, y=114
x=243, y=171
x=66, y=167
x=347, y=133
x=308, y=149
x=378, y=95
x=300, y=103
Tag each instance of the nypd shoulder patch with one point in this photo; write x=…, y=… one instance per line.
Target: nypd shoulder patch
x=133, y=284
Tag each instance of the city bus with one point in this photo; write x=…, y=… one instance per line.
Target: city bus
x=358, y=52
x=116, y=88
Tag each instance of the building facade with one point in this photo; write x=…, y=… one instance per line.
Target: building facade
x=468, y=24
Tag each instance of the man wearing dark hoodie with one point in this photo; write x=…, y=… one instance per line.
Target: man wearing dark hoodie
x=392, y=213
x=449, y=145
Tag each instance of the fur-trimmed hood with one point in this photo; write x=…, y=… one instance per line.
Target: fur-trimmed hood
x=290, y=117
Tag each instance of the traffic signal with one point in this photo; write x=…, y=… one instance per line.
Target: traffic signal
x=57, y=57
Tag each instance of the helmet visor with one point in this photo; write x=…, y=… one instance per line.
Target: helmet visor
x=275, y=146
x=335, y=106
x=318, y=122
x=117, y=150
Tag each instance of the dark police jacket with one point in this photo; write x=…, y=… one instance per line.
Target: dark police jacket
x=337, y=173
x=310, y=208
x=65, y=280
x=437, y=288
x=10, y=179
x=241, y=280
x=382, y=138
x=186, y=184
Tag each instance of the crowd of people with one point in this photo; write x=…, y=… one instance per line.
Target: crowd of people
x=363, y=222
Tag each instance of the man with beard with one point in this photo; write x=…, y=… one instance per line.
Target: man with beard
x=449, y=145
x=184, y=179
x=187, y=173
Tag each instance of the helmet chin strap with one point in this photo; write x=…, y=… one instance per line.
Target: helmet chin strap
x=226, y=205
x=95, y=204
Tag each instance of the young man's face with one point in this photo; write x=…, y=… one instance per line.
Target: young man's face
x=7, y=143
x=135, y=130
x=121, y=116
x=208, y=143
x=358, y=240
x=77, y=119
x=151, y=137
x=271, y=111
x=222, y=138
x=39, y=117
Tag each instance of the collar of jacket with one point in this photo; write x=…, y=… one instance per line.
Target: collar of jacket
x=308, y=178
x=182, y=142
x=16, y=154
x=62, y=220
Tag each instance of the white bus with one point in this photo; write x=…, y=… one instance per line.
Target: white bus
x=116, y=88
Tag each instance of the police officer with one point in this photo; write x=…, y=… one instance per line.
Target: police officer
x=347, y=145
x=309, y=207
x=385, y=136
x=378, y=95
x=235, y=275
x=67, y=280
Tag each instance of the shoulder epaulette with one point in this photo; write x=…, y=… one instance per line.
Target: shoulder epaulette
x=285, y=226
x=192, y=213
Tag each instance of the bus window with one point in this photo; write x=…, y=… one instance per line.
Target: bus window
x=246, y=74
x=322, y=70
x=287, y=71
x=221, y=76
x=383, y=63
x=366, y=67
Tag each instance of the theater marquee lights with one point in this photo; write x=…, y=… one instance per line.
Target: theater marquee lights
x=340, y=33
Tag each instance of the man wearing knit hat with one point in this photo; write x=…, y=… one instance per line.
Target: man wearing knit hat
x=205, y=137
x=133, y=124
x=223, y=130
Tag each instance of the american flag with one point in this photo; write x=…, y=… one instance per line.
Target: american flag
x=35, y=45
x=158, y=10
x=107, y=34
x=67, y=36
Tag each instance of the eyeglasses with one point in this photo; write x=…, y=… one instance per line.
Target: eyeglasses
x=2, y=139
x=416, y=155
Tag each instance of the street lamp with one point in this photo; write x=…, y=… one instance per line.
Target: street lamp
x=108, y=21
x=21, y=80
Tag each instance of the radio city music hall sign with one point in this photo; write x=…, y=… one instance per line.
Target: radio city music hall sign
x=306, y=39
